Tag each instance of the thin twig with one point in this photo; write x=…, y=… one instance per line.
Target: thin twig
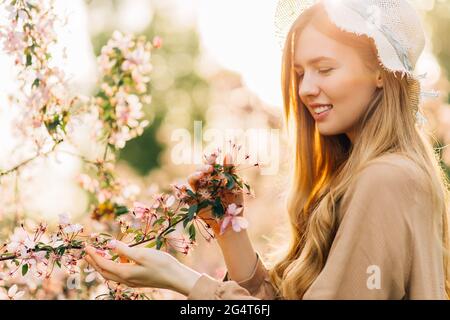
x=24, y=163
x=12, y=257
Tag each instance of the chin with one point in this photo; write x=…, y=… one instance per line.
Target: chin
x=328, y=131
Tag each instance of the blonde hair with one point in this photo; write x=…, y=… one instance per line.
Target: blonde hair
x=324, y=165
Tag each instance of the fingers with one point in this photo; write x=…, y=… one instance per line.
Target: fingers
x=122, y=249
x=228, y=160
x=105, y=274
x=194, y=178
x=103, y=264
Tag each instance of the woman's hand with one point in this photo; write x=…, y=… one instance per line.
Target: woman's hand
x=229, y=197
x=151, y=268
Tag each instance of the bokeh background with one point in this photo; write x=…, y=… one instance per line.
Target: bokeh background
x=219, y=64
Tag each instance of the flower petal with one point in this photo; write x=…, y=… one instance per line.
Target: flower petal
x=224, y=224
x=242, y=222
x=91, y=277
x=12, y=291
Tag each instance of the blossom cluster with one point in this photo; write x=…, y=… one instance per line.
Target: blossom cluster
x=30, y=37
x=125, y=66
x=110, y=195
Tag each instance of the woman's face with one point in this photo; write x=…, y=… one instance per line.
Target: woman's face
x=334, y=82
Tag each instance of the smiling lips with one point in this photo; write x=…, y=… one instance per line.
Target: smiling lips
x=319, y=109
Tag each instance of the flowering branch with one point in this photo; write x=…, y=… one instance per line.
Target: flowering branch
x=155, y=225
x=25, y=162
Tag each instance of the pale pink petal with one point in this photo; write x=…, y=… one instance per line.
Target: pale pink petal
x=139, y=208
x=12, y=291
x=91, y=277
x=238, y=211
x=235, y=225
x=231, y=208
x=239, y=223
x=170, y=201
x=224, y=224
x=242, y=222
x=19, y=295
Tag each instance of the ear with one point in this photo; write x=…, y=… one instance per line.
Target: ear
x=378, y=79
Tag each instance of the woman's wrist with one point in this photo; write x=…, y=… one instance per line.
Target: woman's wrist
x=239, y=255
x=182, y=278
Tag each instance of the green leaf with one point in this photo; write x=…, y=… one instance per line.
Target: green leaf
x=230, y=181
x=138, y=237
x=120, y=210
x=24, y=269
x=192, y=194
x=203, y=204
x=151, y=244
x=159, y=221
x=238, y=181
x=36, y=83
x=29, y=60
x=192, y=211
x=192, y=232
x=105, y=235
x=159, y=243
x=58, y=263
x=218, y=208
x=185, y=222
x=169, y=231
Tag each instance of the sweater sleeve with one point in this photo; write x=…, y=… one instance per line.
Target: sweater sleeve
x=370, y=257
x=257, y=286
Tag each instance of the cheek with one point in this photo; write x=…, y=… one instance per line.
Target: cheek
x=350, y=93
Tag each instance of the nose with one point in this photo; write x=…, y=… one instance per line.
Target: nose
x=308, y=86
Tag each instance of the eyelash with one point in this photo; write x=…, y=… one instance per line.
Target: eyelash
x=325, y=71
x=321, y=71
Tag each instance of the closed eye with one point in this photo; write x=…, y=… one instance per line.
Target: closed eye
x=325, y=70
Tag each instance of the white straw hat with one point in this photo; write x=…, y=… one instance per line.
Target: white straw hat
x=394, y=25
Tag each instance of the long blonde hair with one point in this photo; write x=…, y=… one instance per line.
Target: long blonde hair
x=324, y=165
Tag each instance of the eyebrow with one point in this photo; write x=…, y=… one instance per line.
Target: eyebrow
x=313, y=61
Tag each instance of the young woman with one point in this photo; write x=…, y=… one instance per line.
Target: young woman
x=368, y=206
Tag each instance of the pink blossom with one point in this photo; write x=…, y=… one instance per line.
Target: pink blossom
x=204, y=194
x=170, y=201
x=212, y=158
x=64, y=218
x=88, y=183
x=128, y=110
x=232, y=216
x=140, y=210
x=73, y=228
x=207, y=168
x=157, y=42
x=20, y=243
x=181, y=191
x=11, y=294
